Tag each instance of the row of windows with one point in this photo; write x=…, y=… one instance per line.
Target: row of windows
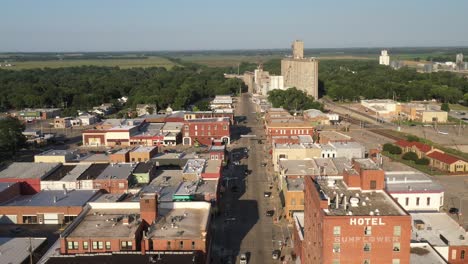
x=367, y=231
x=367, y=247
x=74, y=245
x=208, y=127
x=293, y=132
x=367, y=261
x=417, y=201
x=181, y=245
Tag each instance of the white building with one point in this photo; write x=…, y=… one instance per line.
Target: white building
x=384, y=59
x=349, y=150
x=87, y=119
x=414, y=191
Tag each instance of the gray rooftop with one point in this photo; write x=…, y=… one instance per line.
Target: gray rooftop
x=117, y=171
x=55, y=152
x=46, y=198
x=435, y=226
x=172, y=126
x=181, y=220
x=423, y=253
x=296, y=146
x=144, y=149
x=194, y=166
x=75, y=172
x=5, y=185
x=409, y=181
x=367, y=203
x=295, y=184
x=367, y=164
x=347, y=145
x=299, y=167
x=333, y=135
x=108, y=223
x=28, y=170
x=16, y=249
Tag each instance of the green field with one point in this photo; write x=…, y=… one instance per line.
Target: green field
x=122, y=63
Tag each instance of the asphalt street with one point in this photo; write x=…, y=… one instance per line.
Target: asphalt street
x=243, y=226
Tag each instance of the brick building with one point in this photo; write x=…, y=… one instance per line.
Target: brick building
x=354, y=220
x=206, y=131
x=143, y=154
x=120, y=156
x=29, y=174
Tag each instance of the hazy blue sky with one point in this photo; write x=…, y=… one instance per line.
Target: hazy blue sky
x=115, y=25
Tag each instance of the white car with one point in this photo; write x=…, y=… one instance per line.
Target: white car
x=243, y=258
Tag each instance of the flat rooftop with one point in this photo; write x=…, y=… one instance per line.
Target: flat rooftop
x=347, y=145
x=298, y=167
x=356, y=201
x=423, y=253
x=208, y=120
x=194, y=166
x=172, y=126
x=143, y=149
x=28, y=170
x=130, y=257
x=108, y=223
x=295, y=184
x=95, y=157
x=16, y=249
x=59, y=173
x=47, y=197
x=367, y=164
x=93, y=171
x=218, y=148
x=117, y=171
x=296, y=146
x=334, y=136
x=121, y=151
x=143, y=167
x=5, y=185
x=213, y=166
x=181, y=220
x=435, y=225
x=55, y=152
x=410, y=182
x=169, y=182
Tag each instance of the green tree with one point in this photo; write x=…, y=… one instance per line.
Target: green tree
x=445, y=107
x=11, y=137
x=410, y=156
x=150, y=110
x=422, y=161
x=388, y=147
x=412, y=138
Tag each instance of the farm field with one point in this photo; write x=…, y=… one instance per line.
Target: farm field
x=122, y=63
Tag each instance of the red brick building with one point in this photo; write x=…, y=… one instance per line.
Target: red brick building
x=205, y=131
x=360, y=224
x=289, y=127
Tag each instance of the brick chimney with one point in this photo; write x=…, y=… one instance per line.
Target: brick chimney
x=149, y=207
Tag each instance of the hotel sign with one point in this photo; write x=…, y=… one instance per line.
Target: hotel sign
x=366, y=221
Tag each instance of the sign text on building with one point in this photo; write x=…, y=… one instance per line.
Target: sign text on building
x=367, y=221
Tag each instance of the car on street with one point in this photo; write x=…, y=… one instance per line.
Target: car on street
x=276, y=254
x=454, y=210
x=267, y=194
x=243, y=258
x=270, y=212
x=16, y=230
x=264, y=164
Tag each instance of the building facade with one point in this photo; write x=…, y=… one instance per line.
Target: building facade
x=206, y=131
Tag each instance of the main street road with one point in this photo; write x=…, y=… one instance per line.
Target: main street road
x=243, y=226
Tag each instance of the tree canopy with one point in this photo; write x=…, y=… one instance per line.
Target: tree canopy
x=11, y=137
x=293, y=99
x=84, y=87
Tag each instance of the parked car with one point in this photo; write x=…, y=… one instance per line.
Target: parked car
x=276, y=254
x=454, y=210
x=270, y=212
x=267, y=194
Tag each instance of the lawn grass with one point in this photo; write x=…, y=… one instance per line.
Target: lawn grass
x=422, y=168
x=121, y=63
x=458, y=107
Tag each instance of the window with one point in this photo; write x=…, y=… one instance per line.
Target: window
x=100, y=245
x=406, y=201
x=186, y=127
x=196, y=133
x=126, y=245
x=196, y=127
x=121, y=185
x=367, y=247
x=168, y=244
x=454, y=254
x=225, y=127
x=462, y=254
x=85, y=245
x=368, y=230
x=336, y=248
x=397, y=231
x=193, y=245
x=417, y=201
x=293, y=201
x=108, y=245
x=72, y=245
x=302, y=201
x=181, y=245
x=95, y=245
x=29, y=219
x=373, y=185
x=215, y=127
x=396, y=247
x=395, y=261
x=428, y=201
x=337, y=230
x=68, y=218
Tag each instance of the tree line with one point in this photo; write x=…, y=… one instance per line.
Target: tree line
x=87, y=86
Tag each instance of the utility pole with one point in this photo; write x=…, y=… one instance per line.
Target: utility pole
x=30, y=251
x=459, y=128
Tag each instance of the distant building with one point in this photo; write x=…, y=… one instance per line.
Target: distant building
x=459, y=59
x=300, y=72
x=206, y=131
x=384, y=58
x=145, y=109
